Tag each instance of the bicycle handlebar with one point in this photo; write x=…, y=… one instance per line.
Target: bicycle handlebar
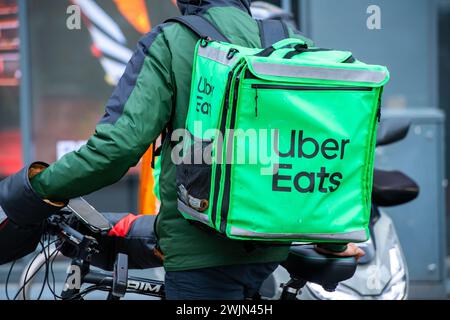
x=84, y=248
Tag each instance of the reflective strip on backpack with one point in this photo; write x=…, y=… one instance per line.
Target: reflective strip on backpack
x=285, y=70
x=216, y=55
x=192, y=213
x=359, y=235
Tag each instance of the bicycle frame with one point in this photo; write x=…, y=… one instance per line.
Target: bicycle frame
x=149, y=287
x=81, y=247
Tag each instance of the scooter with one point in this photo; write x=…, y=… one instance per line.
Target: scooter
x=382, y=274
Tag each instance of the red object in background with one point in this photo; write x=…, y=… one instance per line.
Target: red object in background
x=10, y=152
x=96, y=52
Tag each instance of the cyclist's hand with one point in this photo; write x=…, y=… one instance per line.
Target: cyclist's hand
x=33, y=170
x=352, y=250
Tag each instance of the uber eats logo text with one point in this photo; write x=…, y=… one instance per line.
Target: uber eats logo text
x=293, y=160
x=287, y=177
x=204, y=92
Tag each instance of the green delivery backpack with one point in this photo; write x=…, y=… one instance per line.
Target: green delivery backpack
x=279, y=142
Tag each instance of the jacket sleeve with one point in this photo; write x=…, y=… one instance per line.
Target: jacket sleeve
x=138, y=110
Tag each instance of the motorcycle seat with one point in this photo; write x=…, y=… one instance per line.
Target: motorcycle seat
x=307, y=264
x=392, y=188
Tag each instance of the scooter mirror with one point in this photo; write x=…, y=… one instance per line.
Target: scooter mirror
x=392, y=131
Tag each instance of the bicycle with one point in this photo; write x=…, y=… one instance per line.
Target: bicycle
x=77, y=233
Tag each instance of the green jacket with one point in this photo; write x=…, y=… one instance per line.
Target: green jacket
x=152, y=94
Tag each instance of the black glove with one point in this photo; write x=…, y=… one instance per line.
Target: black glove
x=24, y=213
x=133, y=235
x=130, y=234
x=16, y=241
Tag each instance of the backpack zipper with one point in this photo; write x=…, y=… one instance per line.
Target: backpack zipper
x=227, y=184
x=227, y=97
x=379, y=106
x=223, y=122
x=309, y=88
x=302, y=88
x=379, y=112
x=256, y=102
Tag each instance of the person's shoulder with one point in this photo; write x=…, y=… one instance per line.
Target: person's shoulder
x=159, y=30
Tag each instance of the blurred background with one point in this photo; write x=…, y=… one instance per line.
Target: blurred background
x=56, y=76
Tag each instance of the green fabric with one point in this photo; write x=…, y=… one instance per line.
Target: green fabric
x=156, y=174
x=159, y=97
x=325, y=112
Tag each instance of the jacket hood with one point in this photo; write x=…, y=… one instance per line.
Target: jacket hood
x=199, y=6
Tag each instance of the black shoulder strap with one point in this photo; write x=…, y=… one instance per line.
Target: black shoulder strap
x=271, y=31
x=200, y=26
